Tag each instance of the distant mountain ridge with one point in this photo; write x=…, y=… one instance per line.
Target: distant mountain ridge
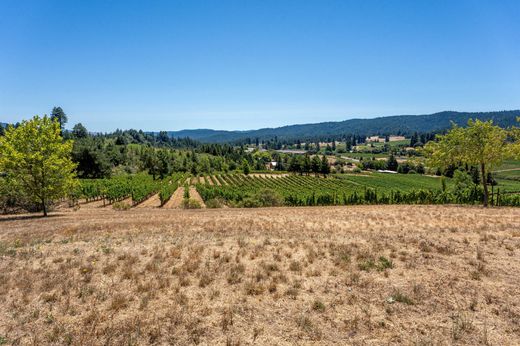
x=396, y=124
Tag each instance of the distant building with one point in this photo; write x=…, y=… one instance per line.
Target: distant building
x=374, y=139
x=271, y=165
x=377, y=139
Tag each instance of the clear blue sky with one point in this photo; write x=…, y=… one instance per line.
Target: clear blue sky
x=247, y=64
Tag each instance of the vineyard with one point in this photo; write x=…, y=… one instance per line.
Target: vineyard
x=306, y=190
x=256, y=190
x=137, y=187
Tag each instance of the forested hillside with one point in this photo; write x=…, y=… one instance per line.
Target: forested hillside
x=398, y=124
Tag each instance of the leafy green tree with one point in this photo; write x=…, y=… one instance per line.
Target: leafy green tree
x=325, y=169
x=91, y=160
x=306, y=164
x=79, y=131
x=481, y=144
x=391, y=163
x=59, y=115
x=163, y=164
x=37, y=161
x=315, y=164
x=294, y=164
x=245, y=167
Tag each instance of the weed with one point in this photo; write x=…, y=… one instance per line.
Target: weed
x=318, y=305
x=235, y=274
x=400, y=297
x=295, y=266
x=254, y=288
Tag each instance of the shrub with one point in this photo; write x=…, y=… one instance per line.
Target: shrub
x=190, y=204
x=262, y=198
x=214, y=203
x=402, y=298
x=269, y=198
x=250, y=202
x=120, y=206
x=317, y=305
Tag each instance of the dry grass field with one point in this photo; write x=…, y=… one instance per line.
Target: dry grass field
x=362, y=275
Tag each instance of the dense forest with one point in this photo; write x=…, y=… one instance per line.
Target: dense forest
x=397, y=125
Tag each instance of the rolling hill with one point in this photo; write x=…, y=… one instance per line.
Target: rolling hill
x=397, y=124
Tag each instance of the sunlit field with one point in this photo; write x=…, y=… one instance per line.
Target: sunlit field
x=421, y=275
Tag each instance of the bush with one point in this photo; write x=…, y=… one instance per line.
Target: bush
x=250, y=202
x=269, y=198
x=121, y=206
x=357, y=170
x=189, y=203
x=262, y=198
x=215, y=203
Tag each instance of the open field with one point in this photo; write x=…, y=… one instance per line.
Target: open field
x=358, y=275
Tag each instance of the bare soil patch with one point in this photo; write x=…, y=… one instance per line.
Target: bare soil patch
x=175, y=200
x=194, y=194
x=152, y=202
x=375, y=275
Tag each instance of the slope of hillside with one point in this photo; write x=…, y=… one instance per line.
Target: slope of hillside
x=404, y=124
x=375, y=275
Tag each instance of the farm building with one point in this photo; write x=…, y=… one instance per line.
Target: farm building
x=271, y=165
x=375, y=139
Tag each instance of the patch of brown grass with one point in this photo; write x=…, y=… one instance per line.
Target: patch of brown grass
x=338, y=275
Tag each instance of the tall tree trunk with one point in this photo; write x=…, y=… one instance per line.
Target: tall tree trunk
x=44, y=206
x=484, y=184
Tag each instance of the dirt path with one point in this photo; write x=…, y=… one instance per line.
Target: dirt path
x=175, y=200
x=152, y=202
x=194, y=194
x=202, y=180
x=217, y=182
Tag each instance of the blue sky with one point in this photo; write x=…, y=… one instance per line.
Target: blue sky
x=248, y=64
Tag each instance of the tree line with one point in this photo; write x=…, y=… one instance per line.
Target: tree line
x=39, y=160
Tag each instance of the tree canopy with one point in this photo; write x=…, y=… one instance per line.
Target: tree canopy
x=59, y=115
x=480, y=144
x=36, y=161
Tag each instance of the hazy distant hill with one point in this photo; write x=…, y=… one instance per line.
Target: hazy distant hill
x=403, y=124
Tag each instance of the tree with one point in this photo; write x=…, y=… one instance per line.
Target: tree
x=315, y=164
x=391, y=163
x=481, y=144
x=306, y=164
x=245, y=167
x=37, y=161
x=79, y=131
x=59, y=115
x=325, y=169
x=91, y=160
x=294, y=164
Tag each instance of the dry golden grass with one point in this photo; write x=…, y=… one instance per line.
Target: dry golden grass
x=421, y=275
